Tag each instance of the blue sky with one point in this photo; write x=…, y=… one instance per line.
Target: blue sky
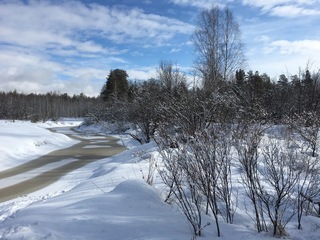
x=70, y=46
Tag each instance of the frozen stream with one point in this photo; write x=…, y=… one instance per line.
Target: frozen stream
x=41, y=172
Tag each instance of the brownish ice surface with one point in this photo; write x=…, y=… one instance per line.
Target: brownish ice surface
x=88, y=150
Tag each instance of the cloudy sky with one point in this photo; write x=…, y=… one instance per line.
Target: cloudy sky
x=70, y=46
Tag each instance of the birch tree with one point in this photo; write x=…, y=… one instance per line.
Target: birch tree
x=218, y=45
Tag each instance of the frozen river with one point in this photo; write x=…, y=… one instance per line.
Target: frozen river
x=41, y=172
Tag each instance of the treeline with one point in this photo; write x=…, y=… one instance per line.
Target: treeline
x=251, y=94
x=170, y=97
x=42, y=107
x=288, y=96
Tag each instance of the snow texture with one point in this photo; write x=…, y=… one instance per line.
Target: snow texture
x=107, y=199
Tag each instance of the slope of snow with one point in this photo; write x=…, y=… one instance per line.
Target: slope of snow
x=22, y=141
x=107, y=199
x=133, y=210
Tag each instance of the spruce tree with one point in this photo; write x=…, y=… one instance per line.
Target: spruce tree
x=117, y=85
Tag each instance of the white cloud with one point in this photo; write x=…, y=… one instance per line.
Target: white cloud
x=175, y=50
x=43, y=80
x=277, y=57
x=27, y=71
x=61, y=45
x=202, y=3
x=303, y=47
x=292, y=11
x=281, y=8
x=28, y=80
x=142, y=73
x=41, y=23
x=286, y=8
x=266, y=5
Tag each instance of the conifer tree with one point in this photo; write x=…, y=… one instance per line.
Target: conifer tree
x=116, y=86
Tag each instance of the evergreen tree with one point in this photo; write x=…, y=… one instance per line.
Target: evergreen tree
x=116, y=86
x=240, y=77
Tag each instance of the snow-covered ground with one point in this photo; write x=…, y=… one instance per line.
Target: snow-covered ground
x=23, y=141
x=107, y=199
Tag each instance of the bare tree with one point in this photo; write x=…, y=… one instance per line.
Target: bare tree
x=170, y=76
x=248, y=136
x=204, y=159
x=180, y=184
x=225, y=187
x=308, y=184
x=307, y=125
x=218, y=45
x=143, y=109
x=278, y=171
x=203, y=168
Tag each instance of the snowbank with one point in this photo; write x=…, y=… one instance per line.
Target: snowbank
x=133, y=210
x=22, y=141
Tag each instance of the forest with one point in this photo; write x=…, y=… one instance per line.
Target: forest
x=247, y=95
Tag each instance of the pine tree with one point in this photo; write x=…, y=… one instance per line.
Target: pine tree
x=117, y=85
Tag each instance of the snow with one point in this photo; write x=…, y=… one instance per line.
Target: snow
x=23, y=141
x=9, y=181
x=107, y=199
x=132, y=210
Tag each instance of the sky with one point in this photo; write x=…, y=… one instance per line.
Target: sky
x=71, y=46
